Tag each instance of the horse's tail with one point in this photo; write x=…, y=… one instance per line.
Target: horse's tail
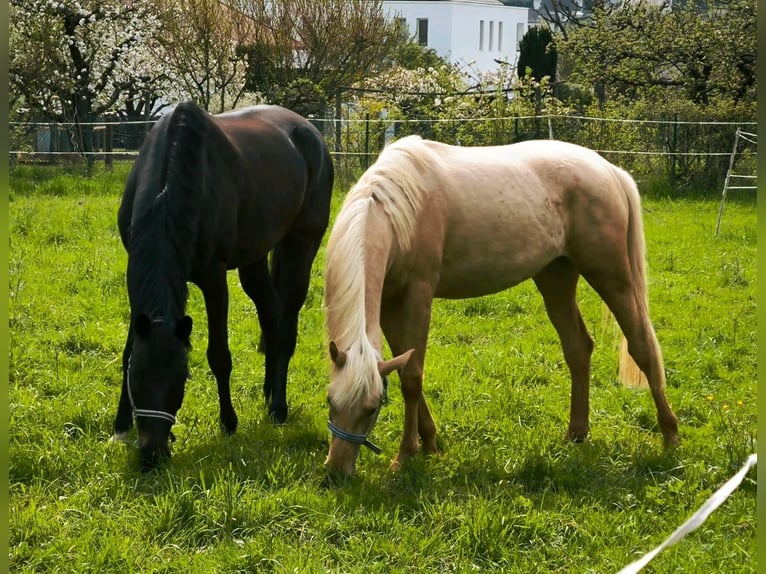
x=321, y=173
x=637, y=257
x=636, y=239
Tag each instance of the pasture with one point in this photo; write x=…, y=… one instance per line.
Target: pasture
x=506, y=494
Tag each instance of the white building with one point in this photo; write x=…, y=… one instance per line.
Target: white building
x=470, y=33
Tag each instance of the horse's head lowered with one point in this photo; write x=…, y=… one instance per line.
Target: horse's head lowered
x=358, y=390
x=157, y=373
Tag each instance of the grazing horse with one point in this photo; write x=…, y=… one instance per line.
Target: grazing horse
x=432, y=220
x=209, y=193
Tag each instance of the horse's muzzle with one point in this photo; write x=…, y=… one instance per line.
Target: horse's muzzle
x=153, y=448
x=152, y=455
x=341, y=459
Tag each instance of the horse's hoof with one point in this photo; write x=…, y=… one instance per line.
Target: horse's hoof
x=430, y=449
x=577, y=437
x=278, y=415
x=229, y=425
x=671, y=442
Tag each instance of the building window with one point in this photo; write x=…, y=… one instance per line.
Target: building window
x=481, y=35
x=499, y=36
x=422, y=31
x=519, y=34
x=491, y=34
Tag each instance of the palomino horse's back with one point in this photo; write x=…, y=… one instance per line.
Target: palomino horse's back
x=500, y=214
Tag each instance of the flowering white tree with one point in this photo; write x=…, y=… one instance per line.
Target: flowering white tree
x=74, y=61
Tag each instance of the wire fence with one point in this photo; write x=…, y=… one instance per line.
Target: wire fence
x=679, y=152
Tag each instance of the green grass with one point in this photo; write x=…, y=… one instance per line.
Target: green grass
x=507, y=494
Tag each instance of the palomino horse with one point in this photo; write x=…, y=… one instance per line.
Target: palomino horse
x=433, y=220
x=208, y=194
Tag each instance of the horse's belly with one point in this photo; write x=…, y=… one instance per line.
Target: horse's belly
x=498, y=252
x=466, y=279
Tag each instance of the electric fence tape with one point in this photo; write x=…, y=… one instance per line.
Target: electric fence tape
x=697, y=518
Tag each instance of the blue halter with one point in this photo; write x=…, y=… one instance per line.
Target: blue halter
x=360, y=438
x=354, y=438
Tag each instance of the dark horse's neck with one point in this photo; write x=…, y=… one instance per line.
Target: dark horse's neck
x=164, y=229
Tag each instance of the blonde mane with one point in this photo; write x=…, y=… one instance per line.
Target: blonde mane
x=395, y=181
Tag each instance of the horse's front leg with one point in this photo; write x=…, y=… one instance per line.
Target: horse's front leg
x=216, y=294
x=405, y=324
x=412, y=386
x=123, y=421
x=426, y=427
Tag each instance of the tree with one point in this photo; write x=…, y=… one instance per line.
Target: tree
x=203, y=47
x=538, y=53
x=447, y=102
x=303, y=51
x=562, y=16
x=72, y=61
x=703, y=51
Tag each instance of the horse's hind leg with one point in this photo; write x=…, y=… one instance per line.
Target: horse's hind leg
x=257, y=284
x=291, y=271
x=558, y=285
x=216, y=293
x=628, y=304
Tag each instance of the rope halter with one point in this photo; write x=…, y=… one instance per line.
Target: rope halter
x=146, y=413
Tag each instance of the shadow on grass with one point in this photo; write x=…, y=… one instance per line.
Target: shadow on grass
x=592, y=472
x=259, y=451
x=272, y=457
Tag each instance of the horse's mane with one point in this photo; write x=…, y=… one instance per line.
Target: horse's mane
x=164, y=226
x=396, y=182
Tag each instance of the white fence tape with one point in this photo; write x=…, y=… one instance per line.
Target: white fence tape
x=697, y=518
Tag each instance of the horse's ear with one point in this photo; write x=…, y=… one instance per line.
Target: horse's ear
x=184, y=328
x=338, y=357
x=386, y=367
x=143, y=325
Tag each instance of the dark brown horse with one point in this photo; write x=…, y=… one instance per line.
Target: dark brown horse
x=208, y=194
x=432, y=220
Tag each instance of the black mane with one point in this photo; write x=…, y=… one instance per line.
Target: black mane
x=163, y=232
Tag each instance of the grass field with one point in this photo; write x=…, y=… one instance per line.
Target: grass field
x=507, y=494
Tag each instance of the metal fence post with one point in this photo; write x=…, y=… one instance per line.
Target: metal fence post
x=338, y=129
